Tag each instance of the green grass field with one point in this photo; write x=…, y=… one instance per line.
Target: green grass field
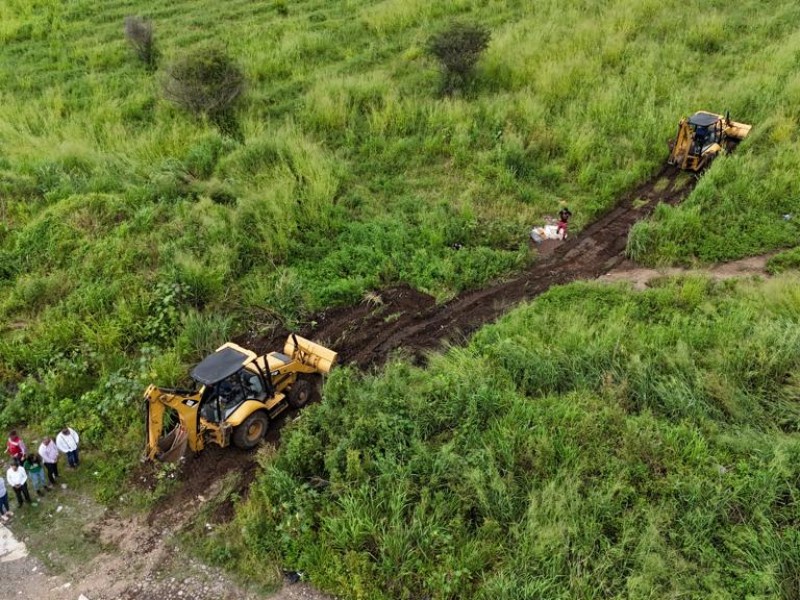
x=354, y=172
x=134, y=239
x=597, y=443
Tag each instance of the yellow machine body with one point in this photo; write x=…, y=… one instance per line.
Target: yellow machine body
x=702, y=137
x=236, y=395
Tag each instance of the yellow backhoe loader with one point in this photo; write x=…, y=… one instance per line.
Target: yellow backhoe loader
x=702, y=137
x=235, y=396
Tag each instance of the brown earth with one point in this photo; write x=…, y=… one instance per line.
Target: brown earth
x=402, y=319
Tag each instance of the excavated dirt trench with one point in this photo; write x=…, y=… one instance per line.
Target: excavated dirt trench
x=403, y=319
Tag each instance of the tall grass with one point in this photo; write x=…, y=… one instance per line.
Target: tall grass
x=595, y=443
x=352, y=172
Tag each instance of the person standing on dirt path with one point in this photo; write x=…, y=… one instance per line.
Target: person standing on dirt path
x=15, y=446
x=33, y=467
x=49, y=453
x=563, y=220
x=5, y=509
x=67, y=441
x=18, y=480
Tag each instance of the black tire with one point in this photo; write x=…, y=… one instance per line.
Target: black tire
x=304, y=389
x=251, y=431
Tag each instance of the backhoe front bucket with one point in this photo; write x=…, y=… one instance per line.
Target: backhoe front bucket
x=737, y=131
x=309, y=353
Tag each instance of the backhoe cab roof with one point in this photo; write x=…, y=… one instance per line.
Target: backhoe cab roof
x=703, y=119
x=222, y=364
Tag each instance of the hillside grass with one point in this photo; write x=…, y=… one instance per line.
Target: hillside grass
x=596, y=443
x=135, y=238
x=785, y=261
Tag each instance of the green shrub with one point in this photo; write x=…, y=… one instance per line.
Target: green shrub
x=206, y=82
x=139, y=34
x=784, y=261
x=458, y=49
x=202, y=334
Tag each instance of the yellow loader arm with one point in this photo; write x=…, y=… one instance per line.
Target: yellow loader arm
x=184, y=433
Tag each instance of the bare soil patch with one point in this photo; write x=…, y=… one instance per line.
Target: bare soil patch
x=139, y=561
x=754, y=266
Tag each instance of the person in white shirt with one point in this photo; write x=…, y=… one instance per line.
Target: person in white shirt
x=5, y=510
x=49, y=453
x=18, y=480
x=67, y=441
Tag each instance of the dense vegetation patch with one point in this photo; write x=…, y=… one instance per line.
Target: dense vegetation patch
x=596, y=443
x=135, y=237
x=784, y=261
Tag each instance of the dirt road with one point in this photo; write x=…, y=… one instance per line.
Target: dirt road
x=139, y=561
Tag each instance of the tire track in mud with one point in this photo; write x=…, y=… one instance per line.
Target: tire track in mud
x=402, y=319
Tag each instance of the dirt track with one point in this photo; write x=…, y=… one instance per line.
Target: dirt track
x=367, y=334
x=403, y=319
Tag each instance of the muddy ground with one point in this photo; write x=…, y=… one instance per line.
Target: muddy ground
x=403, y=319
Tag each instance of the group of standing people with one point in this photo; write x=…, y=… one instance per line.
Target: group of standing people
x=28, y=465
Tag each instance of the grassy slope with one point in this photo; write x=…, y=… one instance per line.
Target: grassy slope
x=128, y=226
x=596, y=443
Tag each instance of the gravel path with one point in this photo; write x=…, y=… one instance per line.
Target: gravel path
x=22, y=575
x=113, y=575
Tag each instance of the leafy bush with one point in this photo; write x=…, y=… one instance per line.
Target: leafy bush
x=458, y=49
x=140, y=36
x=206, y=82
x=202, y=334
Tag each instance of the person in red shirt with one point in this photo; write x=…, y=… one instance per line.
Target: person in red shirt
x=16, y=447
x=563, y=222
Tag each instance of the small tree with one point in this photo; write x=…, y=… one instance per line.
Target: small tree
x=206, y=82
x=139, y=33
x=458, y=49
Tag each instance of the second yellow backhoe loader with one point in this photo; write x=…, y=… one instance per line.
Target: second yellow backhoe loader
x=702, y=137
x=235, y=397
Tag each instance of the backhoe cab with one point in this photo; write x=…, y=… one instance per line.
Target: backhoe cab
x=702, y=137
x=235, y=396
